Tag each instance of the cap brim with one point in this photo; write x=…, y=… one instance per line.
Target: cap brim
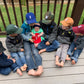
x=46, y=21
x=75, y=29
x=31, y=21
x=64, y=23
x=19, y=31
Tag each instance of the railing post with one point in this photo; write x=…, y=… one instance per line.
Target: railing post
x=77, y=11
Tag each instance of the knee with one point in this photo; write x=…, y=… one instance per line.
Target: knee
x=7, y=71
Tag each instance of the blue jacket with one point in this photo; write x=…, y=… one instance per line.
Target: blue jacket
x=4, y=62
x=26, y=29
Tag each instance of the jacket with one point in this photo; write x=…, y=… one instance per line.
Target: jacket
x=14, y=44
x=65, y=36
x=79, y=42
x=48, y=30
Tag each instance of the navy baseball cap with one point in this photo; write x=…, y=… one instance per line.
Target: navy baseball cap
x=30, y=18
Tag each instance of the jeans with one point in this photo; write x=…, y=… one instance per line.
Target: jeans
x=55, y=44
x=33, y=58
x=20, y=58
x=74, y=54
x=7, y=70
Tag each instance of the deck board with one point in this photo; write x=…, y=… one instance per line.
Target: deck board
x=69, y=74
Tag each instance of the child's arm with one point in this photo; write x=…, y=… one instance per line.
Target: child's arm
x=40, y=34
x=32, y=34
x=6, y=63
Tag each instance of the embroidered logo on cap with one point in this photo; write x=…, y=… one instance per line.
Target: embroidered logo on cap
x=46, y=17
x=15, y=26
x=79, y=26
x=30, y=17
x=66, y=19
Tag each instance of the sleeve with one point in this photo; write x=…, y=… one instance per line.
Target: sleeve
x=25, y=37
x=72, y=36
x=53, y=35
x=6, y=63
x=81, y=45
x=41, y=30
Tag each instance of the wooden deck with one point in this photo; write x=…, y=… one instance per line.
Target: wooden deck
x=70, y=74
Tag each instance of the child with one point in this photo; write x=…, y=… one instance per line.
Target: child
x=37, y=33
x=65, y=36
x=6, y=65
x=14, y=44
x=77, y=45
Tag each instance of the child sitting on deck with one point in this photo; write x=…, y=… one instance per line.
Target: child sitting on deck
x=6, y=64
x=77, y=45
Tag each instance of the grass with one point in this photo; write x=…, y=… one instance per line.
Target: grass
x=31, y=9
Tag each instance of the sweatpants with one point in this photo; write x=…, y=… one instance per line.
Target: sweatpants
x=62, y=51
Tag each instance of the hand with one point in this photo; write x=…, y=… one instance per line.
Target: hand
x=13, y=60
x=8, y=57
x=75, y=48
x=32, y=34
x=21, y=49
x=47, y=43
x=31, y=40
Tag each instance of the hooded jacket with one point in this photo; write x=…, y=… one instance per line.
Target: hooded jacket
x=14, y=44
x=48, y=30
x=65, y=36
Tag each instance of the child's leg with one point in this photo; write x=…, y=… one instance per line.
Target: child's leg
x=15, y=68
x=5, y=71
x=23, y=60
x=71, y=49
x=36, y=45
x=16, y=57
x=76, y=55
x=64, y=53
x=58, y=55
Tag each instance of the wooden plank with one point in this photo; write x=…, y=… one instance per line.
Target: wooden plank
x=77, y=11
x=51, y=64
x=68, y=79
x=7, y=11
x=54, y=11
x=60, y=11
x=48, y=3
x=27, y=2
x=2, y=19
x=34, y=1
x=21, y=10
x=67, y=8
x=14, y=12
x=51, y=72
x=41, y=10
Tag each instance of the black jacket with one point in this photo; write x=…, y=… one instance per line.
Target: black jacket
x=48, y=30
x=65, y=36
x=79, y=42
x=14, y=44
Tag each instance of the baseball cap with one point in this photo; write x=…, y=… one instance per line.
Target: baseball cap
x=30, y=18
x=49, y=16
x=13, y=29
x=78, y=29
x=67, y=21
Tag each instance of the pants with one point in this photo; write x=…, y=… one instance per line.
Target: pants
x=20, y=58
x=7, y=70
x=74, y=54
x=33, y=58
x=52, y=47
x=62, y=51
